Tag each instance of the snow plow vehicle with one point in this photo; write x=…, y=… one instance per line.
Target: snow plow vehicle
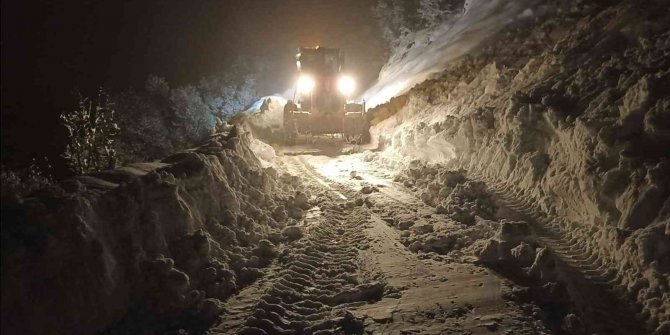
x=321, y=102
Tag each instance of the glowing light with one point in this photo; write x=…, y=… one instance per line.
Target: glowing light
x=305, y=84
x=346, y=85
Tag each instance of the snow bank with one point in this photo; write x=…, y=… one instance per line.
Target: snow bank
x=569, y=114
x=163, y=240
x=273, y=117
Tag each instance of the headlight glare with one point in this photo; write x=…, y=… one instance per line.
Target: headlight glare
x=305, y=84
x=346, y=85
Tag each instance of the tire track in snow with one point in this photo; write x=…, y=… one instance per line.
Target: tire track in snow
x=315, y=281
x=604, y=306
x=318, y=282
x=601, y=303
x=424, y=279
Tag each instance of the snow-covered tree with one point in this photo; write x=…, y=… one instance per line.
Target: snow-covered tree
x=158, y=120
x=92, y=131
x=434, y=12
x=399, y=18
x=396, y=19
x=194, y=119
x=145, y=133
x=430, y=12
x=227, y=96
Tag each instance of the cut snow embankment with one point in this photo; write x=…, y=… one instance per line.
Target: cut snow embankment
x=571, y=116
x=139, y=248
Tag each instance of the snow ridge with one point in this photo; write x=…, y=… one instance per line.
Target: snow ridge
x=179, y=236
x=569, y=115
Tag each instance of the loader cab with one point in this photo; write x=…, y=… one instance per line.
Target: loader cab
x=319, y=60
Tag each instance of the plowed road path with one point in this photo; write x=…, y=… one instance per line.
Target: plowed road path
x=350, y=265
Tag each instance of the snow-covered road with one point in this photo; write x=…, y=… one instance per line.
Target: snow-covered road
x=369, y=238
x=352, y=249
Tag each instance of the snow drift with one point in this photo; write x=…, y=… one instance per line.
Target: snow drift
x=569, y=113
x=161, y=240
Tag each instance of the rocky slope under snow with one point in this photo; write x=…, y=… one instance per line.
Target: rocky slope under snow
x=147, y=247
x=571, y=115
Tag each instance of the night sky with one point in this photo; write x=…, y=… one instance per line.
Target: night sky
x=51, y=48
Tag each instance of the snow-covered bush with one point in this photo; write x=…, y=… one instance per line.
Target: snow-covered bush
x=193, y=118
x=18, y=183
x=145, y=134
x=92, y=133
x=159, y=119
x=229, y=95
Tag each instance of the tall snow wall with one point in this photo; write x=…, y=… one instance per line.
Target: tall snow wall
x=569, y=114
x=172, y=236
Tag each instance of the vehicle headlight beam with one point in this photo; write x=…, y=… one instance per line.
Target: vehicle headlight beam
x=346, y=85
x=305, y=84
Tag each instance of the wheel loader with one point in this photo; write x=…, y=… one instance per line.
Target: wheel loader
x=321, y=104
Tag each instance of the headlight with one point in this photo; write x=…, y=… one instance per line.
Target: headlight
x=305, y=84
x=346, y=85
